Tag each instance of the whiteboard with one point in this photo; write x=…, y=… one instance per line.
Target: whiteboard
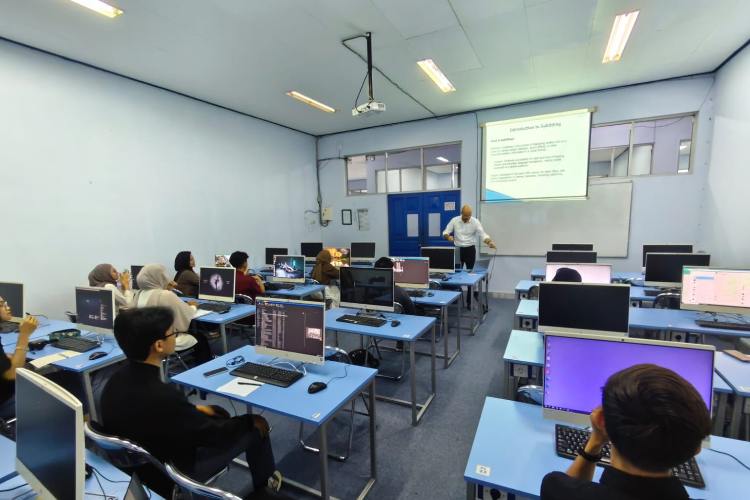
x=530, y=228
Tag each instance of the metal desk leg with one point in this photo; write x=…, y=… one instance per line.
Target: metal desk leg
x=721, y=413
x=433, y=360
x=471, y=491
x=373, y=462
x=324, y=461
x=88, y=389
x=734, y=425
x=450, y=359
x=413, y=382
x=224, y=340
x=458, y=326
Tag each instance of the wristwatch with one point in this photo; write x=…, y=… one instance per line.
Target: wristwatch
x=589, y=457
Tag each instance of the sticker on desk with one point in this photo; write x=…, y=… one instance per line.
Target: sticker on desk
x=521, y=371
x=483, y=470
x=316, y=416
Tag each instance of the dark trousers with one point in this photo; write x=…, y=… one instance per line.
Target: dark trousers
x=468, y=256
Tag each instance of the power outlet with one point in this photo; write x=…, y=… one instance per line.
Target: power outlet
x=327, y=214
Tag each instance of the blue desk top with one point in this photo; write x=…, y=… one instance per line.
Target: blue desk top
x=293, y=401
x=528, y=308
x=236, y=313
x=540, y=272
x=297, y=291
x=410, y=329
x=463, y=278
x=517, y=445
x=525, y=348
x=43, y=330
x=735, y=372
x=524, y=286
x=439, y=298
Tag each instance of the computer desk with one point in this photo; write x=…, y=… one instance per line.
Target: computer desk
x=539, y=273
x=235, y=313
x=442, y=299
x=637, y=293
x=410, y=329
x=471, y=281
x=737, y=375
x=298, y=292
x=514, y=449
x=524, y=359
x=296, y=403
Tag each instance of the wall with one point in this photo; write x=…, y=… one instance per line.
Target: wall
x=97, y=168
x=724, y=227
x=664, y=209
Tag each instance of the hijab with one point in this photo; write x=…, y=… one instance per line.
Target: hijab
x=153, y=277
x=322, y=267
x=102, y=275
x=182, y=263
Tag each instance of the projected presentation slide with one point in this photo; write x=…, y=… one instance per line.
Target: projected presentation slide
x=539, y=157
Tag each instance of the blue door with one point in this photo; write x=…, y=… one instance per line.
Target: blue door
x=418, y=219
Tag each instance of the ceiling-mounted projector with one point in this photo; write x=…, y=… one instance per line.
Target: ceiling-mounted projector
x=369, y=107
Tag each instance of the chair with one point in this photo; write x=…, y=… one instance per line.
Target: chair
x=246, y=330
x=72, y=316
x=373, y=342
x=667, y=300
x=340, y=355
x=533, y=292
x=532, y=394
x=7, y=428
x=127, y=455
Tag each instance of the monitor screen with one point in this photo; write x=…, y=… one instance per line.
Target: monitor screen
x=293, y=329
x=95, y=308
x=573, y=383
x=589, y=273
x=665, y=269
x=340, y=257
x=270, y=252
x=571, y=256
x=716, y=290
x=581, y=306
x=442, y=259
x=363, y=250
x=411, y=272
x=289, y=268
x=13, y=295
x=367, y=288
x=665, y=249
x=134, y=270
x=573, y=246
x=49, y=437
x=310, y=250
x=216, y=283
x=222, y=260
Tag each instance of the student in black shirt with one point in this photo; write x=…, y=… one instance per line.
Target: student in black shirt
x=198, y=440
x=399, y=294
x=9, y=363
x=654, y=420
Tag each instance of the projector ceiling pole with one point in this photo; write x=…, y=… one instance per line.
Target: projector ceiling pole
x=368, y=35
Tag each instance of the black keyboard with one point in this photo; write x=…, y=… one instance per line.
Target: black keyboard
x=438, y=276
x=267, y=374
x=568, y=440
x=279, y=286
x=216, y=307
x=652, y=292
x=362, y=320
x=416, y=293
x=729, y=325
x=76, y=344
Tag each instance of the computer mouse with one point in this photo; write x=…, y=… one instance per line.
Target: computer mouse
x=316, y=387
x=97, y=355
x=430, y=294
x=395, y=322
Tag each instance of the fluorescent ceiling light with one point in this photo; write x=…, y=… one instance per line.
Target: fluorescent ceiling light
x=444, y=160
x=619, y=35
x=437, y=76
x=310, y=101
x=100, y=7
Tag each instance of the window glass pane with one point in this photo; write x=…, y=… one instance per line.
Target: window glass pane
x=640, y=159
x=683, y=166
x=609, y=150
x=381, y=181
x=442, y=155
x=411, y=179
x=361, y=172
x=394, y=181
x=669, y=134
x=440, y=176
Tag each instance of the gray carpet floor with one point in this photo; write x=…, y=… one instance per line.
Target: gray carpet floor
x=426, y=461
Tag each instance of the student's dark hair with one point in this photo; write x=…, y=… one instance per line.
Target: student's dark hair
x=384, y=262
x=137, y=329
x=238, y=259
x=567, y=274
x=181, y=262
x=654, y=417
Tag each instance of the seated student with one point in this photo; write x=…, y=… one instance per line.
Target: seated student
x=187, y=280
x=198, y=440
x=399, y=294
x=566, y=274
x=9, y=363
x=154, y=290
x=324, y=273
x=654, y=420
x=245, y=284
x=106, y=276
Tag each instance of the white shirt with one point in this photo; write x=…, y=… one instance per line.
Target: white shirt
x=465, y=233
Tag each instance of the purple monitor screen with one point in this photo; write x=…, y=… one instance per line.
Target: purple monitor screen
x=576, y=369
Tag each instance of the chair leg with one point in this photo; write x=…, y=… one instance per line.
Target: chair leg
x=339, y=458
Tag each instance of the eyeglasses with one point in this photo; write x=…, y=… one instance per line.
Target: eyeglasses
x=171, y=335
x=235, y=361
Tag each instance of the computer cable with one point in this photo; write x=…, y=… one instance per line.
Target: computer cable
x=730, y=455
x=14, y=488
x=346, y=374
x=96, y=471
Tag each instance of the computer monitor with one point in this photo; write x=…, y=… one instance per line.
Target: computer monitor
x=340, y=257
x=584, y=307
x=50, y=446
x=217, y=283
x=13, y=295
x=310, y=250
x=222, y=260
x=573, y=246
x=291, y=329
x=366, y=288
x=665, y=249
x=665, y=269
x=715, y=290
x=95, y=309
x=590, y=273
x=411, y=272
x=442, y=259
x=363, y=250
x=289, y=268
x=577, y=366
x=134, y=270
x=571, y=256
x=270, y=252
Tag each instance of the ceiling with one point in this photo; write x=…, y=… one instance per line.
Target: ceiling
x=244, y=54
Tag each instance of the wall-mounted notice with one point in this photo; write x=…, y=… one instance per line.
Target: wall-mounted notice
x=545, y=156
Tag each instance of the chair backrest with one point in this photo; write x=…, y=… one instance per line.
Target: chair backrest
x=533, y=394
x=244, y=299
x=73, y=317
x=434, y=285
x=334, y=353
x=310, y=281
x=667, y=300
x=398, y=308
x=534, y=292
x=185, y=483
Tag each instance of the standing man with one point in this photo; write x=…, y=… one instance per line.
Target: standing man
x=465, y=229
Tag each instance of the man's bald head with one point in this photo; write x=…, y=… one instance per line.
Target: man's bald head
x=466, y=213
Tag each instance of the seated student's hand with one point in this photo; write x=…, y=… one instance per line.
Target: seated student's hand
x=125, y=280
x=261, y=424
x=193, y=303
x=213, y=411
x=598, y=436
x=28, y=325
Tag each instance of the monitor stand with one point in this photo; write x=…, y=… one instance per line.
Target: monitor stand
x=368, y=313
x=724, y=320
x=297, y=366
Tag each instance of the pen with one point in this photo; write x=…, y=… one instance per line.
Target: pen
x=249, y=383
